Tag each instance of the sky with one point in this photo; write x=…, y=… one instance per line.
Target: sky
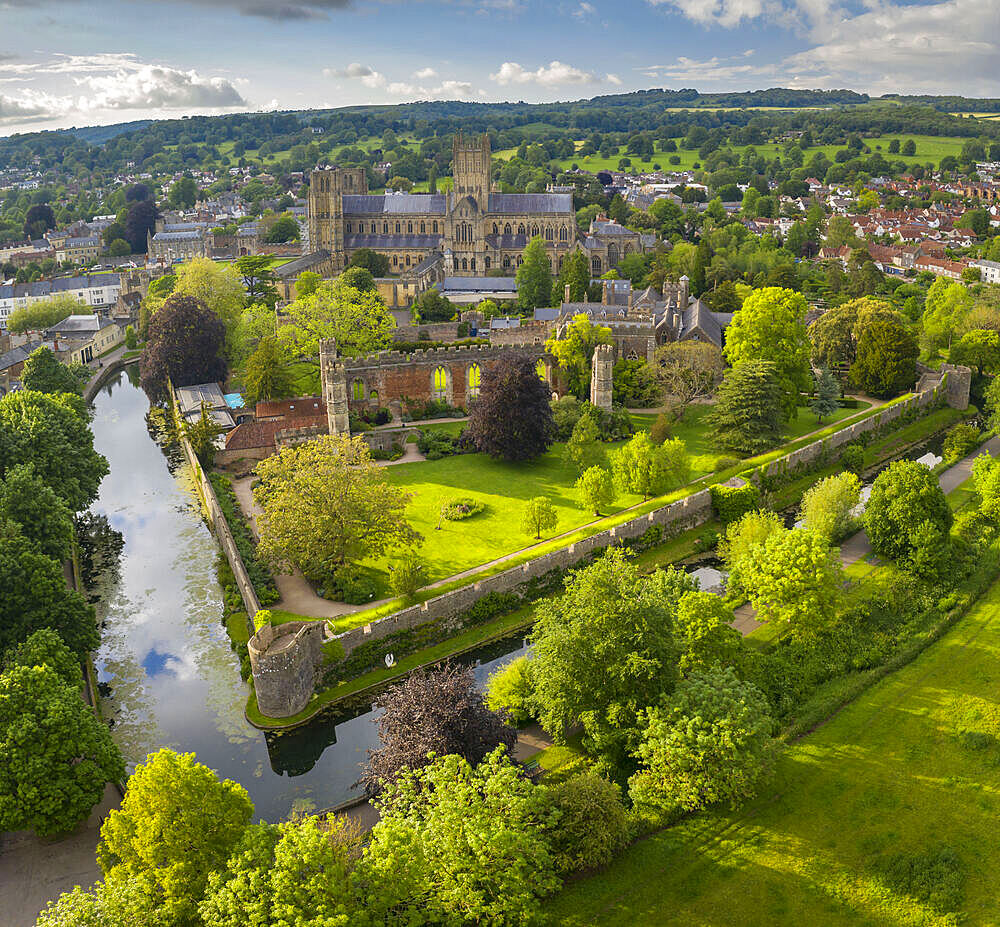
x=91, y=62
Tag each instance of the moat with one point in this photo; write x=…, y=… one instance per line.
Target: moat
x=167, y=673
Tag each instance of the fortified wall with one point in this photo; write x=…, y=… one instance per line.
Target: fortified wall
x=283, y=659
x=950, y=387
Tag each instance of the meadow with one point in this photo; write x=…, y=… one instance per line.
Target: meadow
x=884, y=815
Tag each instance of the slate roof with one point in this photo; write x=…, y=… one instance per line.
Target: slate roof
x=194, y=235
x=294, y=268
x=699, y=316
x=18, y=355
x=506, y=284
x=79, y=325
x=395, y=204
x=42, y=288
x=392, y=241
x=509, y=242
x=530, y=203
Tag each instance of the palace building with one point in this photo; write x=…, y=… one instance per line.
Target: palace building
x=468, y=231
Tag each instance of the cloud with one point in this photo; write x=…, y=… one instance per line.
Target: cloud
x=446, y=89
x=584, y=10
x=112, y=82
x=553, y=75
x=706, y=70
x=726, y=13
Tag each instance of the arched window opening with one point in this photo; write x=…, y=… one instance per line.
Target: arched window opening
x=357, y=390
x=440, y=390
x=474, y=379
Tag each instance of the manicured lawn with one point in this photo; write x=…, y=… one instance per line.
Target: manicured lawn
x=905, y=778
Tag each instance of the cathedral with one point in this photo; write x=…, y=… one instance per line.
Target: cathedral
x=468, y=231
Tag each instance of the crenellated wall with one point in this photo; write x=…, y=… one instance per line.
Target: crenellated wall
x=283, y=659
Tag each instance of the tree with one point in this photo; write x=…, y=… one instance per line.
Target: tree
x=748, y=409
x=119, y=248
x=431, y=306
x=978, y=349
x=218, y=288
x=46, y=648
x=770, y=327
x=468, y=842
x=604, y=651
x=575, y=274
x=742, y=542
x=904, y=498
x=183, y=193
x=407, y=575
x=55, y=754
x=534, y=276
x=377, y=264
x=36, y=596
x=946, y=309
x=795, y=580
x=826, y=400
x=592, y=826
x=575, y=352
x=886, y=362
x=509, y=691
x=583, y=449
x=596, y=489
x=909, y=148
x=258, y=278
x=359, y=278
x=986, y=478
x=828, y=507
x=704, y=632
x=436, y=711
x=176, y=824
x=978, y=220
x=44, y=374
x=834, y=335
x=38, y=220
x=539, y=515
x=634, y=383
x=512, y=419
x=50, y=432
x=140, y=221
x=43, y=314
x=202, y=435
x=688, y=370
x=267, y=375
x=185, y=345
x=706, y=744
x=959, y=441
x=306, y=283
x=356, y=319
x=648, y=469
x=285, y=229
x=44, y=518
x=324, y=503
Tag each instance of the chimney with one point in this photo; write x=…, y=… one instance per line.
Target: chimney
x=566, y=294
x=604, y=292
x=631, y=294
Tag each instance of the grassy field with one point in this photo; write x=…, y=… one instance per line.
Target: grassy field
x=929, y=148
x=504, y=488
x=885, y=815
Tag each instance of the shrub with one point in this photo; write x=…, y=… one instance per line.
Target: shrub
x=852, y=458
x=660, y=430
x=959, y=441
x=419, y=409
x=408, y=575
x=733, y=502
x=460, y=509
x=509, y=689
x=592, y=825
x=725, y=462
x=566, y=412
x=437, y=444
x=352, y=586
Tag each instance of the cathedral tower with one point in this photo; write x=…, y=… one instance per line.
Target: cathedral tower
x=472, y=169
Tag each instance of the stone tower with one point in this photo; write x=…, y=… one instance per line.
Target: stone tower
x=472, y=169
x=601, y=377
x=333, y=380
x=327, y=189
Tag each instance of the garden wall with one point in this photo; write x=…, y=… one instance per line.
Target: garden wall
x=675, y=518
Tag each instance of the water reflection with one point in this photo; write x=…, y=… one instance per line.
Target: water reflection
x=166, y=671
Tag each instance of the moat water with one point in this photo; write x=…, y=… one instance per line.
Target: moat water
x=167, y=674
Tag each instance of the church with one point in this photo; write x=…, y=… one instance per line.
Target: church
x=469, y=231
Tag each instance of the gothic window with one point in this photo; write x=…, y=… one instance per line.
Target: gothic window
x=612, y=255
x=627, y=249
x=548, y=234
x=440, y=390
x=487, y=259
x=540, y=370
x=506, y=260
x=563, y=234
x=395, y=261
x=357, y=390
x=520, y=260
x=385, y=228
x=434, y=227
x=472, y=263
x=465, y=264
x=632, y=355
x=495, y=231
x=398, y=228
x=506, y=229
x=423, y=228
x=474, y=380
x=595, y=265
x=348, y=228
x=373, y=396
x=520, y=229
x=373, y=228
x=409, y=228
x=407, y=260
x=534, y=231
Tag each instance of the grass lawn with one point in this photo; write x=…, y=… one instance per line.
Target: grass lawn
x=929, y=148
x=884, y=815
